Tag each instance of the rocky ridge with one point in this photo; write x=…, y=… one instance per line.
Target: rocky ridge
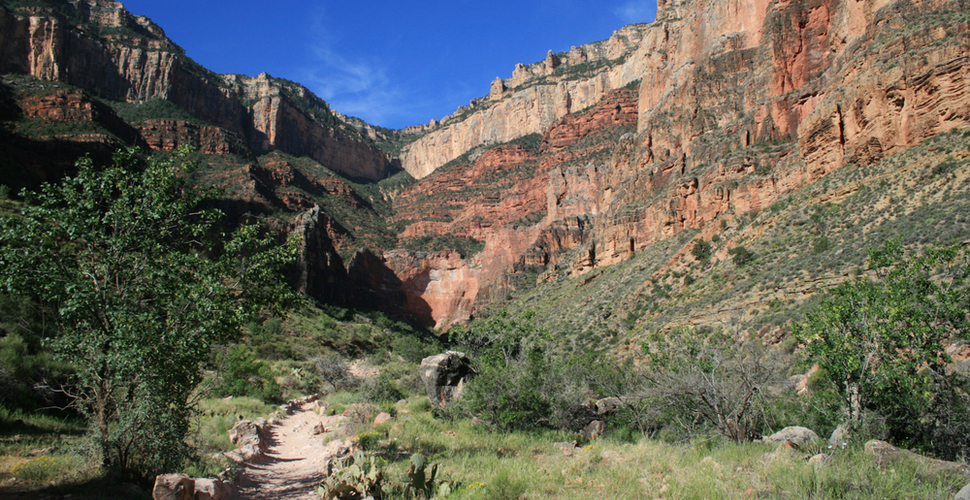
x=97, y=44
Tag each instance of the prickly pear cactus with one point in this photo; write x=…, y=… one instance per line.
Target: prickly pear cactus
x=352, y=477
x=420, y=482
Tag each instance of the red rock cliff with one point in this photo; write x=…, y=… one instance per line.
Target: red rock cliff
x=128, y=58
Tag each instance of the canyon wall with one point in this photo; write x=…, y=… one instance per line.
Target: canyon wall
x=739, y=104
x=530, y=101
x=127, y=58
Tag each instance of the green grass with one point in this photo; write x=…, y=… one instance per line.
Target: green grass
x=479, y=463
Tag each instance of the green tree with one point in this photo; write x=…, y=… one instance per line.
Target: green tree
x=882, y=340
x=138, y=284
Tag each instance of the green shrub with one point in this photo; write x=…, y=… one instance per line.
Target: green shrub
x=41, y=468
x=518, y=384
x=741, y=255
x=881, y=343
x=381, y=389
x=243, y=374
x=701, y=250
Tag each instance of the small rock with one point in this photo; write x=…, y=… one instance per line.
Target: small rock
x=318, y=428
x=594, y=430
x=382, y=418
x=840, y=435
x=820, y=460
x=567, y=448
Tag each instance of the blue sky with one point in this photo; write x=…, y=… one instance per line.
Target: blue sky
x=393, y=64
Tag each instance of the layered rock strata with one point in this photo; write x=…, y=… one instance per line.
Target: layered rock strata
x=127, y=58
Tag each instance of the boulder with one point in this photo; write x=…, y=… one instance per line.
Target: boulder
x=445, y=375
x=246, y=433
x=173, y=487
x=795, y=435
x=250, y=440
x=964, y=494
x=607, y=406
x=212, y=489
x=886, y=455
x=594, y=430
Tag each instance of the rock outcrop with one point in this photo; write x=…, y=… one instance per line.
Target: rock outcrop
x=319, y=271
x=445, y=375
x=530, y=102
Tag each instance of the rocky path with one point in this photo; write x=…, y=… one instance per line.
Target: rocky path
x=296, y=457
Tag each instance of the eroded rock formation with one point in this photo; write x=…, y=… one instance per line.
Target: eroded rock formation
x=128, y=59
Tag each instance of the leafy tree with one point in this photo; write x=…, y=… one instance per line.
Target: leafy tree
x=881, y=341
x=137, y=284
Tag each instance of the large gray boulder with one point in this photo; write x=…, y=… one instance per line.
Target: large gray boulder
x=795, y=435
x=445, y=375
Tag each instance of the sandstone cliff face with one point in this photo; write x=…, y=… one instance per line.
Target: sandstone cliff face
x=529, y=102
x=517, y=200
x=741, y=114
x=740, y=104
x=439, y=287
x=127, y=58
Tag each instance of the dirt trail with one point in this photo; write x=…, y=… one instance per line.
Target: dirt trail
x=296, y=458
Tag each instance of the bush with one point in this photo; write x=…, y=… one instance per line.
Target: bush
x=333, y=369
x=741, y=255
x=518, y=385
x=881, y=344
x=244, y=375
x=712, y=380
x=381, y=389
x=701, y=250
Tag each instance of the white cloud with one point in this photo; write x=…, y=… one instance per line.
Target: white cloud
x=354, y=86
x=637, y=11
